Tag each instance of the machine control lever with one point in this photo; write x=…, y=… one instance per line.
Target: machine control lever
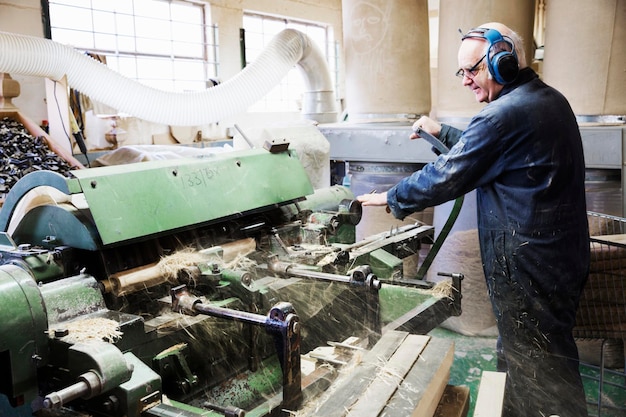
x=438, y=146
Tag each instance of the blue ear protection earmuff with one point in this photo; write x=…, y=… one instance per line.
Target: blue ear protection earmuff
x=501, y=56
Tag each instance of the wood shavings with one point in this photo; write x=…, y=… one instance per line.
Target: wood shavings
x=92, y=329
x=241, y=262
x=442, y=289
x=171, y=265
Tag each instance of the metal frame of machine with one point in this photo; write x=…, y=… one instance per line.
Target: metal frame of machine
x=257, y=248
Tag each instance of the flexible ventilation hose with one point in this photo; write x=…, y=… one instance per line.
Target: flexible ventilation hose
x=26, y=55
x=439, y=148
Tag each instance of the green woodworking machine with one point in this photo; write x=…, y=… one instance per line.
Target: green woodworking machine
x=193, y=287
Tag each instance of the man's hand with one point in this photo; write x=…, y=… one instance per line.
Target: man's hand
x=373, y=199
x=427, y=124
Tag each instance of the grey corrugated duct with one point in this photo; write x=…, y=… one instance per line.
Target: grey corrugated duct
x=28, y=55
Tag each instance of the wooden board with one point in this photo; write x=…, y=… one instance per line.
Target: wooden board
x=454, y=402
x=420, y=392
x=490, y=394
x=389, y=376
x=618, y=240
x=351, y=389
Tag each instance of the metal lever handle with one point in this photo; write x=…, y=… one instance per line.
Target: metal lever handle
x=436, y=143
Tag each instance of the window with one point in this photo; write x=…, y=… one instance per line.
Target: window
x=163, y=44
x=259, y=31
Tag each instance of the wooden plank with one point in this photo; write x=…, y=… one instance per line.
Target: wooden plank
x=420, y=392
x=389, y=377
x=350, y=389
x=330, y=354
x=454, y=402
x=490, y=394
x=619, y=240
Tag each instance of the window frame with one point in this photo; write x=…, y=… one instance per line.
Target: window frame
x=282, y=98
x=205, y=61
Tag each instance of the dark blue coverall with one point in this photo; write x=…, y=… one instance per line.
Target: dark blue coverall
x=523, y=154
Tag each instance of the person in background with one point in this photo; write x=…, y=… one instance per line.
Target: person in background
x=523, y=154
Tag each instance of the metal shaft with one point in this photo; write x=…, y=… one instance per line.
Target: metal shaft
x=229, y=411
x=64, y=396
x=236, y=315
x=307, y=273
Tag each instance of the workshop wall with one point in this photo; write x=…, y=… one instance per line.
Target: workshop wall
x=24, y=17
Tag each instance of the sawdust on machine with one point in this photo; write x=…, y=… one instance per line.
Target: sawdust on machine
x=171, y=265
x=441, y=289
x=241, y=262
x=91, y=330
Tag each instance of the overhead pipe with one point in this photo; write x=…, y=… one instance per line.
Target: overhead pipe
x=27, y=55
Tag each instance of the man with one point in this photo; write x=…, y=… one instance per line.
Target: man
x=523, y=154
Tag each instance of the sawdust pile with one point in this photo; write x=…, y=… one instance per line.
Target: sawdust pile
x=89, y=330
x=460, y=253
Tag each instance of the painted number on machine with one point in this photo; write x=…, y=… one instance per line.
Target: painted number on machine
x=199, y=177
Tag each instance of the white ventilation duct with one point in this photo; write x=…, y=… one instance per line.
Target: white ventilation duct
x=28, y=55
